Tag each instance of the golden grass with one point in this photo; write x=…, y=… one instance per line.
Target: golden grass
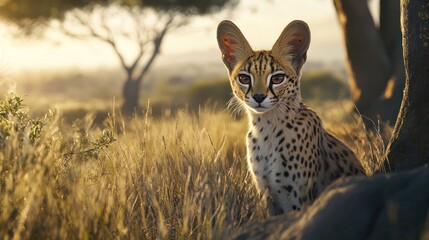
x=178, y=177
x=368, y=142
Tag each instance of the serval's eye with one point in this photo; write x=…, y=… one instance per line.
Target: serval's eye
x=278, y=78
x=244, y=79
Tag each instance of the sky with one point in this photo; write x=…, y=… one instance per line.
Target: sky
x=261, y=21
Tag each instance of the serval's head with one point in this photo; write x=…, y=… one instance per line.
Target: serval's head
x=265, y=80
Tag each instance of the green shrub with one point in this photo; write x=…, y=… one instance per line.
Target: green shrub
x=210, y=91
x=39, y=161
x=321, y=85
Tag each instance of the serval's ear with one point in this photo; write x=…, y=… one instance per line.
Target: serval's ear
x=232, y=44
x=293, y=44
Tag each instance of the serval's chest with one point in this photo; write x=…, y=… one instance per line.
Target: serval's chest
x=279, y=149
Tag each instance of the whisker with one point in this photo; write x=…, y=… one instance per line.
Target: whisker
x=235, y=107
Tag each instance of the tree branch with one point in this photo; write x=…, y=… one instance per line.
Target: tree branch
x=156, y=48
x=85, y=22
x=105, y=31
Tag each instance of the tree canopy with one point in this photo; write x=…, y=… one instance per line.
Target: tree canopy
x=27, y=13
x=18, y=11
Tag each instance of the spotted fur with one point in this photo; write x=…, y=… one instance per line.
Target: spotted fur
x=291, y=156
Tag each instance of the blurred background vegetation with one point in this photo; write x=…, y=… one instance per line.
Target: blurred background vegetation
x=77, y=94
x=133, y=34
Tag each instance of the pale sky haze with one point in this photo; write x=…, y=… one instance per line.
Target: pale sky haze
x=261, y=21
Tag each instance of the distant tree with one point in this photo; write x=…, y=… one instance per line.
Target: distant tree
x=117, y=26
x=115, y=23
x=374, y=55
x=409, y=145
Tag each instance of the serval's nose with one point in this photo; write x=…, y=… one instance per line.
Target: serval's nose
x=259, y=97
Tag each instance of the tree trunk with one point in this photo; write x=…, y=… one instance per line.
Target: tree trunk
x=390, y=33
x=409, y=145
x=131, y=90
x=131, y=96
x=374, y=57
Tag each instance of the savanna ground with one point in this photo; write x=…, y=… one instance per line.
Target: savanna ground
x=175, y=171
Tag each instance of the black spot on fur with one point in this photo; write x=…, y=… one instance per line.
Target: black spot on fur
x=288, y=188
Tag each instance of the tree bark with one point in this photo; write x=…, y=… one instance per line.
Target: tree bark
x=374, y=57
x=409, y=145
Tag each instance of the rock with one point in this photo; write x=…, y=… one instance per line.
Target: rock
x=384, y=206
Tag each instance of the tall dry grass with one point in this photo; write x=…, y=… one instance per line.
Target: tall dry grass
x=176, y=177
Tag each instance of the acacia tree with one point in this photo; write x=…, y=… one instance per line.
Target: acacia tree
x=117, y=23
x=374, y=54
x=142, y=27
